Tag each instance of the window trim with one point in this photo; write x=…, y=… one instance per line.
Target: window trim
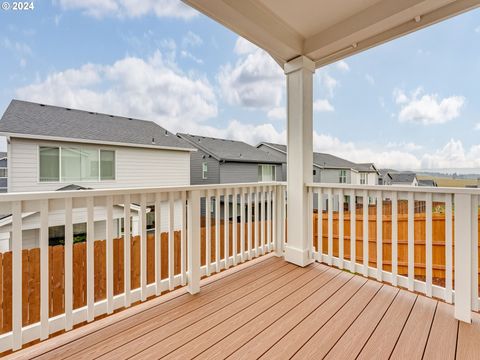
x=342, y=175
x=204, y=170
x=274, y=172
x=61, y=180
x=364, y=178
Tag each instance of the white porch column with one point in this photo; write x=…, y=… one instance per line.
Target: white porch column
x=299, y=73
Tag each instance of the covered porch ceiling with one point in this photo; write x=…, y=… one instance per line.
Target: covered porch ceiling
x=326, y=31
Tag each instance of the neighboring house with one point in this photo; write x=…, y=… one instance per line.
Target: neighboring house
x=221, y=161
x=52, y=147
x=403, y=178
x=328, y=168
x=427, y=182
x=3, y=172
x=384, y=177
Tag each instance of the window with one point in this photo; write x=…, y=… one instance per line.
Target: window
x=107, y=165
x=49, y=163
x=69, y=164
x=56, y=234
x=343, y=177
x=363, y=178
x=314, y=172
x=266, y=173
x=204, y=170
x=3, y=172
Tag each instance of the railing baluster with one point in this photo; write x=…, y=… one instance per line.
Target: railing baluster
x=379, y=235
x=208, y=235
x=242, y=225
x=44, y=271
x=284, y=219
x=411, y=242
x=226, y=228
x=68, y=265
x=158, y=244
x=255, y=213
x=269, y=218
x=365, y=233
x=394, y=238
x=429, y=245
x=90, y=260
x=474, y=252
x=183, y=239
x=341, y=254
x=126, y=248
x=234, y=226
x=320, y=225
x=143, y=247
x=109, y=253
x=353, y=230
x=249, y=222
x=310, y=217
x=171, y=241
x=448, y=249
x=217, y=230
x=193, y=242
x=17, y=239
x=330, y=227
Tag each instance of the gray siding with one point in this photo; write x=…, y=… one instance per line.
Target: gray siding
x=231, y=172
x=213, y=174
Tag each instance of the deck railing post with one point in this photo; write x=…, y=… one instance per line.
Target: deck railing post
x=193, y=238
x=463, y=261
x=279, y=224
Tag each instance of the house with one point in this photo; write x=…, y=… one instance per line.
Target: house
x=427, y=182
x=54, y=148
x=3, y=172
x=222, y=161
x=403, y=178
x=328, y=168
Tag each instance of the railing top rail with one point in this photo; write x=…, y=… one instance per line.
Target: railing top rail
x=40, y=195
x=396, y=188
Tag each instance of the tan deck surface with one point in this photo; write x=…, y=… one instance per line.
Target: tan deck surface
x=275, y=310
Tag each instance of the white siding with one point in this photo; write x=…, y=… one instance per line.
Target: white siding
x=136, y=167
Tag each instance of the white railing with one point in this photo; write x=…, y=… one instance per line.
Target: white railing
x=248, y=221
x=407, y=259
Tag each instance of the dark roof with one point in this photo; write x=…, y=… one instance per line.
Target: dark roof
x=27, y=119
x=366, y=167
x=321, y=160
x=73, y=187
x=231, y=150
x=402, y=177
x=427, y=182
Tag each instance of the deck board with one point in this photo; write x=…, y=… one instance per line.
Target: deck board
x=272, y=309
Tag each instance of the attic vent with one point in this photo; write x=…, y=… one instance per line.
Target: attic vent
x=41, y=104
x=153, y=141
x=91, y=113
x=166, y=133
x=110, y=115
x=68, y=109
x=130, y=119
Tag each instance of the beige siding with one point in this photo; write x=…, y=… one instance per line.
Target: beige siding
x=136, y=167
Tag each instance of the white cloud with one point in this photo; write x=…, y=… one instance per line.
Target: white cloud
x=278, y=113
x=427, y=109
x=129, y=8
x=477, y=29
x=255, y=81
x=327, y=83
x=402, y=145
x=477, y=126
x=370, y=79
x=323, y=105
x=192, y=40
x=144, y=88
x=243, y=46
x=343, y=65
x=188, y=55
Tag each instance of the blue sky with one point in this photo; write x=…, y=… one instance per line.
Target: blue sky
x=411, y=103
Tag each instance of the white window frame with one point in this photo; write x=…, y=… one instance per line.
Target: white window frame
x=61, y=180
x=274, y=172
x=204, y=170
x=342, y=177
x=363, y=178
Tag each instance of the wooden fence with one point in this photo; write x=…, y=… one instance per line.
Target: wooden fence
x=438, y=242
x=31, y=271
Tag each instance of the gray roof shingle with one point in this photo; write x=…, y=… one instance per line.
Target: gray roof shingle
x=402, y=177
x=321, y=160
x=231, y=150
x=23, y=118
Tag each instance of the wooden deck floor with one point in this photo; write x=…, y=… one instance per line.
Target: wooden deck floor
x=275, y=310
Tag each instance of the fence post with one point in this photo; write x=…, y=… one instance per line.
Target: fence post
x=280, y=220
x=193, y=238
x=463, y=261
